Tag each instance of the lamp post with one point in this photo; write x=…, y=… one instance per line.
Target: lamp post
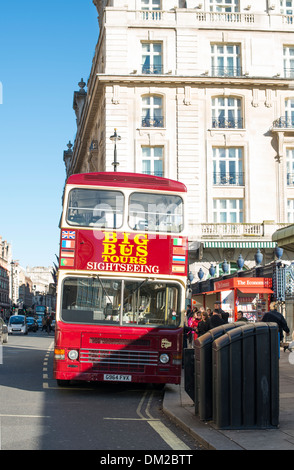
x=114, y=139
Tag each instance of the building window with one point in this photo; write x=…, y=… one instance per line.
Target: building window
x=150, y=4
x=290, y=211
x=290, y=166
x=228, y=166
x=289, y=113
x=152, y=115
x=288, y=53
x=228, y=211
x=227, y=6
x=152, y=161
x=151, y=9
x=225, y=60
x=287, y=7
x=151, y=57
x=227, y=113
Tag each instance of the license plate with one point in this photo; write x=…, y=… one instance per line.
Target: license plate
x=118, y=377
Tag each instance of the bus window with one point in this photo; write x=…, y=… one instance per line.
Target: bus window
x=95, y=208
x=156, y=212
x=100, y=301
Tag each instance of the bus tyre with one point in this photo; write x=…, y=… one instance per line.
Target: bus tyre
x=63, y=383
x=158, y=386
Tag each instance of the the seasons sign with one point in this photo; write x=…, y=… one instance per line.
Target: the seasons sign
x=124, y=252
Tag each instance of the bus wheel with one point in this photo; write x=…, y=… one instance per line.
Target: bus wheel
x=63, y=383
x=158, y=386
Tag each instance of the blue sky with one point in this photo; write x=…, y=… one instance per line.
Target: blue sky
x=45, y=49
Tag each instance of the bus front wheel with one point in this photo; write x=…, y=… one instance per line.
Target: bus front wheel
x=63, y=383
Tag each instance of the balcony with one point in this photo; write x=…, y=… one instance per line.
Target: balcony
x=290, y=179
x=228, y=179
x=284, y=122
x=153, y=173
x=227, y=123
x=289, y=72
x=226, y=71
x=152, y=69
x=155, y=121
x=234, y=231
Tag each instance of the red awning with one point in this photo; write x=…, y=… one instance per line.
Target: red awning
x=255, y=290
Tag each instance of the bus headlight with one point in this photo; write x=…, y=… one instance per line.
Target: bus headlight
x=73, y=354
x=164, y=358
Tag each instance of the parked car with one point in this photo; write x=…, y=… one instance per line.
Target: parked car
x=3, y=332
x=17, y=324
x=32, y=324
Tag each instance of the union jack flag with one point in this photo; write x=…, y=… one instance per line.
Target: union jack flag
x=68, y=234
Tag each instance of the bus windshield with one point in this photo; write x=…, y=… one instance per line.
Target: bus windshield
x=158, y=212
x=121, y=302
x=95, y=208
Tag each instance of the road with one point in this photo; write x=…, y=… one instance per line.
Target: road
x=36, y=414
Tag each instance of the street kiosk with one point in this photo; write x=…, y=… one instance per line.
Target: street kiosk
x=251, y=295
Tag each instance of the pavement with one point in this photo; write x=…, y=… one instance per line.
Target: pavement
x=180, y=408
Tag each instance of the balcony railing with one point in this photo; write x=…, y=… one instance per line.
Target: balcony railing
x=152, y=69
x=155, y=121
x=152, y=15
x=290, y=179
x=228, y=179
x=227, y=123
x=284, y=122
x=229, y=231
x=226, y=71
x=289, y=72
x=233, y=17
x=153, y=173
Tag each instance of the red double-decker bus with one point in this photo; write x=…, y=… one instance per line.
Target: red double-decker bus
x=122, y=279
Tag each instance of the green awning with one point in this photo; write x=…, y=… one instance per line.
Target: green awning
x=249, y=244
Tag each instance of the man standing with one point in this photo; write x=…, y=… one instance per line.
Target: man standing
x=223, y=314
x=215, y=319
x=274, y=316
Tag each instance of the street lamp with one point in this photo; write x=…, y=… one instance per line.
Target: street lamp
x=114, y=139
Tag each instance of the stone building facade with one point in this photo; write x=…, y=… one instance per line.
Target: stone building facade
x=201, y=92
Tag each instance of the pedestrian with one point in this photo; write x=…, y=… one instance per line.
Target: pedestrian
x=224, y=315
x=209, y=312
x=274, y=316
x=215, y=319
x=240, y=316
x=203, y=325
x=193, y=323
x=189, y=312
x=48, y=324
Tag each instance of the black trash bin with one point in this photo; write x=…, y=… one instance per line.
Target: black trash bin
x=246, y=378
x=203, y=370
x=189, y=366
